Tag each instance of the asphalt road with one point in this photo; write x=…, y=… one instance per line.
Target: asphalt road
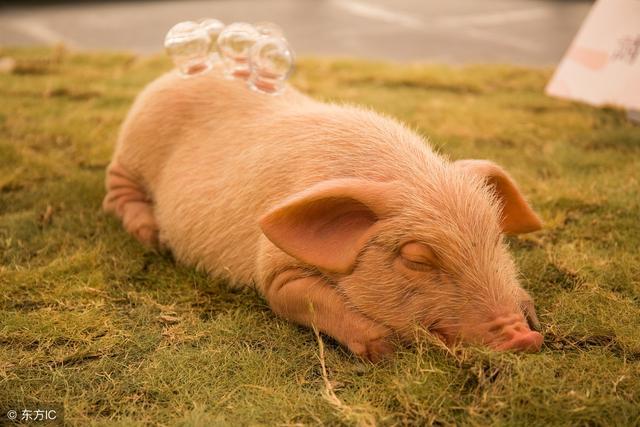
x=532, y=32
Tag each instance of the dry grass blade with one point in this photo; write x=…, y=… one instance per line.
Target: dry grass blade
x=358, y=416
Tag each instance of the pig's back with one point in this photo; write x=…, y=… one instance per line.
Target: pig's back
x=242, y=153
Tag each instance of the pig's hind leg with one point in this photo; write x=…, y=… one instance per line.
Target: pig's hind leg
x=128, y=200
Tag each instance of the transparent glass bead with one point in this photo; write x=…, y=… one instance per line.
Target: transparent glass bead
x=213, y=27
x=269, y=29
x=271, y=62
x=234, y=44
x=187, y=43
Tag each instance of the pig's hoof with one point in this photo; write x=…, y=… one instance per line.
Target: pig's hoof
x=373, y=348
x=147, y=235
x=373, y=351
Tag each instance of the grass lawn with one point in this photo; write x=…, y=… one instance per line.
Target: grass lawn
x=118, y=335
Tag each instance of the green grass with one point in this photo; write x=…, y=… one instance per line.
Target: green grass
x=119, y=336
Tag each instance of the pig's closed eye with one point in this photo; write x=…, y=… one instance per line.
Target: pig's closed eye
x=416, y=266
x=417, y=257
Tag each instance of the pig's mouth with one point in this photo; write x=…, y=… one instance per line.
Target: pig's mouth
x=504, y=333
x=442, y=337
x=444, y=334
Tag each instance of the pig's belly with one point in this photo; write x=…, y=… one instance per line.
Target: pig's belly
x=208, y=220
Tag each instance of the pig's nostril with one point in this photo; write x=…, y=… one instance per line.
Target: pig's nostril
x=513, y=331
x=504, y=322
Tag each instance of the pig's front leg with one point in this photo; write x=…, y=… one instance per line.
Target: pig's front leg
x=128, y=200
x=312, y=301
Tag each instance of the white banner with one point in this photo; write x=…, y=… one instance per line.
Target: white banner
x=602, y=65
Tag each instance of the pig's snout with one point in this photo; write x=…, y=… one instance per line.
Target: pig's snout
x=528, y=341
x=511, y=332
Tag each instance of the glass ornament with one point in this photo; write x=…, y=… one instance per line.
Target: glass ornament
x=271, y=62
x=234, y=44
x=187, y=43
x=213, y=28
x=269, y=29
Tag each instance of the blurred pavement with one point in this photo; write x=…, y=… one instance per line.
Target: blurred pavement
x=532, y=32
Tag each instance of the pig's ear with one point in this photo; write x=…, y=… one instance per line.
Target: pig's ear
x=328, y=224
x=518, y=217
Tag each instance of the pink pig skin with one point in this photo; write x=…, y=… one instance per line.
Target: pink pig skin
x=343, y=218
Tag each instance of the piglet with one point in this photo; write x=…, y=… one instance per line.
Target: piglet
x=343, y=219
